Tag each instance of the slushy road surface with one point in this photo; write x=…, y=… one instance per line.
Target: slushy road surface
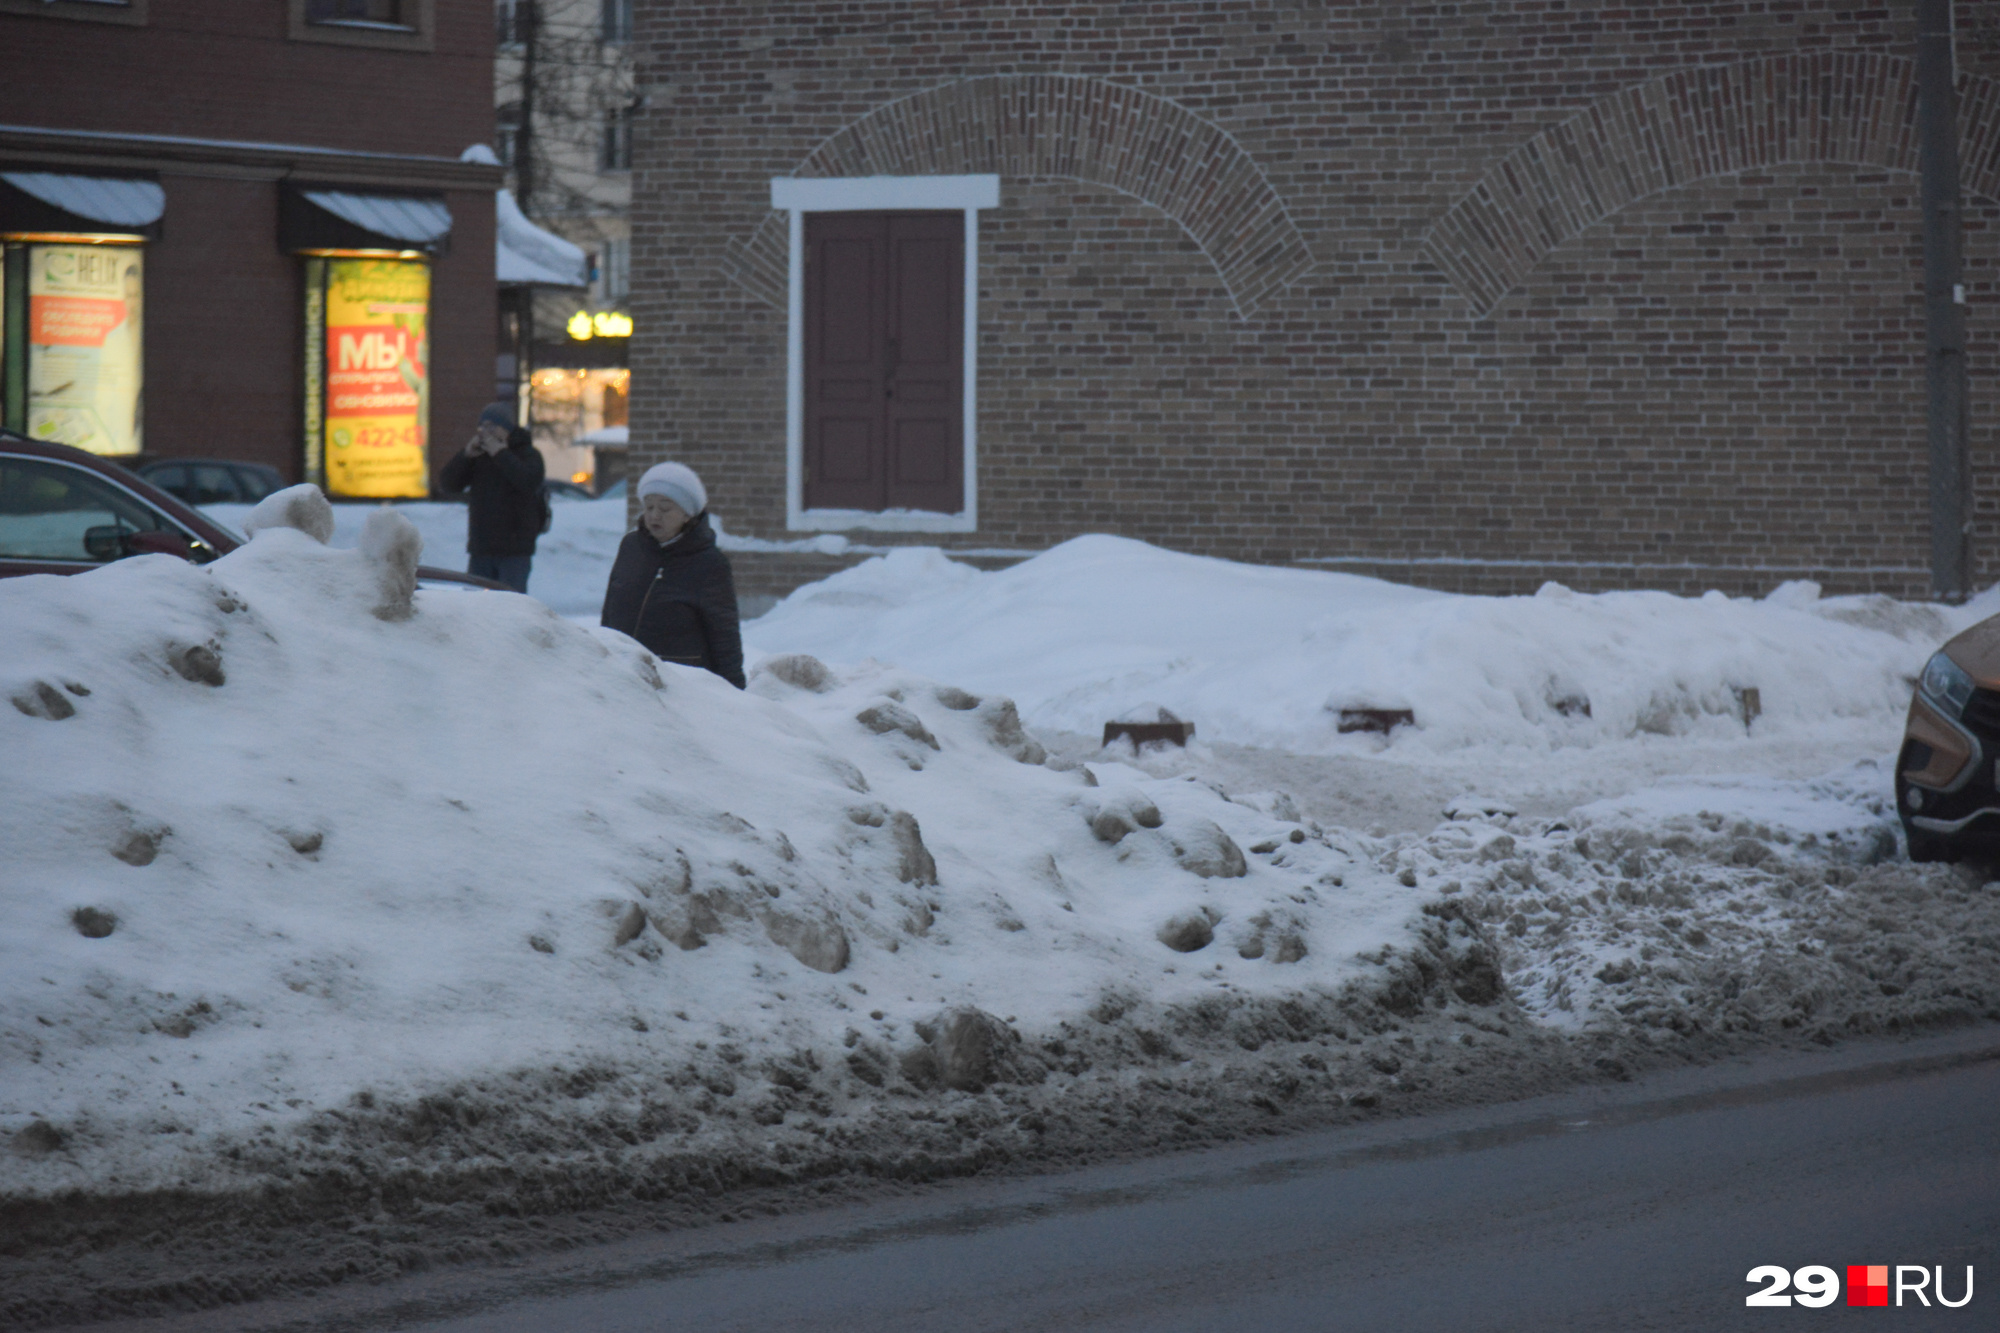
x=1641, y=1207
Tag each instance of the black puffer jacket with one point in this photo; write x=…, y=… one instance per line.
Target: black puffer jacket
x=678, y=599
x=505, y=508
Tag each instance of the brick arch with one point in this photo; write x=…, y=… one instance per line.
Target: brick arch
x=1066, y=127
x=1838, y=107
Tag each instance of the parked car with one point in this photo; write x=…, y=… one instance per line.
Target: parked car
x=213, y=481
x=63, y=511
x=1947, y=770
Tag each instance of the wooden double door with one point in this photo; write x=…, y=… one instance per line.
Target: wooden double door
x=885, y=361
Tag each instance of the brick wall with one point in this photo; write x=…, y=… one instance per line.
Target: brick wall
x=226, y=69
x=223, y=331
x=224, y=312
x=1472, y=294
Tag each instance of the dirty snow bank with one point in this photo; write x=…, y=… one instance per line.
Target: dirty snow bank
x=1101, y=626
x=279, y=852
x=1702, y=909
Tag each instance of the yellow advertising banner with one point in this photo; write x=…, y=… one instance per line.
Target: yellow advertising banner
x=85, y=346
x=377, y=377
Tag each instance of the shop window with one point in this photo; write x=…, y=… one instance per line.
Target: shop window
x=73, y=346
x=90, y=11
x=405, y=25
x=615, y=148
x=617, y=21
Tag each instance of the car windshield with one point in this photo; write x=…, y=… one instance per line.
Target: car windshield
x=211, y=484
x=256, y=483
x=54, y=511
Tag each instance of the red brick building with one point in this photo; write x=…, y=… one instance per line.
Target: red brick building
x=1471, y=294
x=256, y=172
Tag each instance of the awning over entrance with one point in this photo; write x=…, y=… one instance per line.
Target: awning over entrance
x=607, y=437
x=57, y=201
x=321, y=218
x=597, y=354
x=527, y=256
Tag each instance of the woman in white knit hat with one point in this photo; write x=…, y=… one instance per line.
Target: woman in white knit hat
x=670, y=587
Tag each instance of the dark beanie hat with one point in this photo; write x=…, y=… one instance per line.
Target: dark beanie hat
x=500, y=414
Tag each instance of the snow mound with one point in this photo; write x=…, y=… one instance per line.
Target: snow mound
x=572, y=559
x=1704, y=909
x=1100, y=626
x=287, y=838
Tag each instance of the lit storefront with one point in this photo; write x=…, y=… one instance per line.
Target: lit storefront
x=580, y=389
x=72, y=307
x=366, y=267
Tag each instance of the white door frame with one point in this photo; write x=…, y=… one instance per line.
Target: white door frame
x=870, y=194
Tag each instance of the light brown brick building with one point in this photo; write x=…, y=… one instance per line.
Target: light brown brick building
x=1470, y=294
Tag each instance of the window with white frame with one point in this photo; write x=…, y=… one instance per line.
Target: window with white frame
x=507, y=133
x=615, y=271
x=507, y=19
x=617, y=21
x=614, y=152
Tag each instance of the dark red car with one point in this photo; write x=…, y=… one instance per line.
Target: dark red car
x=63, y=511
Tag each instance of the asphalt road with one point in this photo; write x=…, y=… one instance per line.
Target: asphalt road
x=1637, y=1208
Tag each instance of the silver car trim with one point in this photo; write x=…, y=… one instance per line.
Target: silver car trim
x=1930, y=825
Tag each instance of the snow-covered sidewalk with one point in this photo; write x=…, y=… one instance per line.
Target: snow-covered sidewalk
x=315, y=895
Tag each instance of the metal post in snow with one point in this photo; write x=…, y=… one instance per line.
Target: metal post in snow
x=1944, y=304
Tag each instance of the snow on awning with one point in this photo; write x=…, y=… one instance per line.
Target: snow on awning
x=320, y=217
x=527, y=256
x=415, y=222
x=130, y=205
x=607, y=437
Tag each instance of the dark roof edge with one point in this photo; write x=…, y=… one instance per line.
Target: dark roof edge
x=174, y=155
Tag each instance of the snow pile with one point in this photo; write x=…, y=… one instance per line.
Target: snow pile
x=288, y=843
x=1708, y=908
x=572, y=559
x=1101, y=626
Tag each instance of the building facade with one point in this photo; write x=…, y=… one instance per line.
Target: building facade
x=563, y=94
x=1473, y=295
x=246, y=231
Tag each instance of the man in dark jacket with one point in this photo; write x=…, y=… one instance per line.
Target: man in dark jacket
x=670, y=587
x=504, y=514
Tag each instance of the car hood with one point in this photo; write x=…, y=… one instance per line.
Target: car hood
x=1978, y=651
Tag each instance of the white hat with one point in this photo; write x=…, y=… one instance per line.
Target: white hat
x=677, y=482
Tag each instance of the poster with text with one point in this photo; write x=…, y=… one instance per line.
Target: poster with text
x=377, y=377
x=85, y=353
